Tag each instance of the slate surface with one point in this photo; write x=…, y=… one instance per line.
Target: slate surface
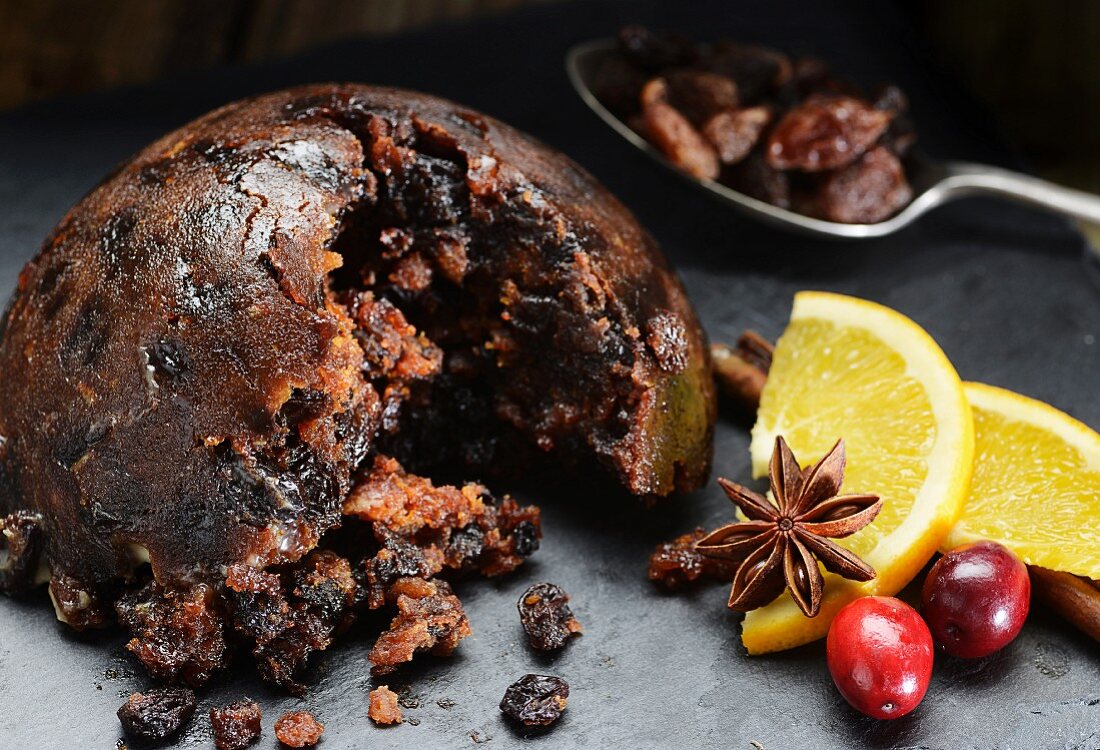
x=1007, y=293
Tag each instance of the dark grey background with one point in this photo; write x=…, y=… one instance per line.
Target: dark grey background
x=1007, y=293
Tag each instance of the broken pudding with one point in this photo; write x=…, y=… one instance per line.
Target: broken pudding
x=233, y=365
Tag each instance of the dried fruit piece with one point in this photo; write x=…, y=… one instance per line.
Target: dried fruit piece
x=383, y=706
x=237, y=725
x=756, y=69
x=753, y=176
x=676, y=563
x=157, y=713
x=535, y=700
x=698, y=95
x=674, y=135
x=871, y=189
x=825, y=132
x=298, y=729
x=546, y=617
x=21, y=542
x=734, y=132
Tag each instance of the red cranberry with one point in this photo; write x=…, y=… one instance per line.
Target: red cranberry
x=976, y=598
x=880, y=656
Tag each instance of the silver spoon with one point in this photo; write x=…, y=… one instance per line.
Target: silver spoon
x=933, y=182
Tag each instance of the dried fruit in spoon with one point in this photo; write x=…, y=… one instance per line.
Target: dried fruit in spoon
x=825, y=132
x=782, y=541
x=785, y=132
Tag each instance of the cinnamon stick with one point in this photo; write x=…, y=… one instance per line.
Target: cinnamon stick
x=741, y=372
x=1074, y=598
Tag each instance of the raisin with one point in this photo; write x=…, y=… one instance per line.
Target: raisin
x=753, y=176
x=734, y=132
x=546, y=617
x=890, y=98
x=298, y=729
x=757, y=70
x=21, y=533
x=157, y=713
x=698, y=95
x=535, y=700
x=675, y=136
x=676, y=563
x=383, y=706
x=872, y=189
x=237, y=725
x=825, y=132
x=526, y=536
x=618, y=84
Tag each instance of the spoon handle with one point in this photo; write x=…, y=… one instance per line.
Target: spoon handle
x=964, y=178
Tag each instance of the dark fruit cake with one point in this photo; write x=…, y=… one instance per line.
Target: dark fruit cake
x=241, y=339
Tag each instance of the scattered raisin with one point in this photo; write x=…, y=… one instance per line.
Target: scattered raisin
x=676, y=563
x=546, y=617
x=237, y=725
x=298, y=729
x=21, y=534
x=157, y=713
x=383, y=706
x=535, y=700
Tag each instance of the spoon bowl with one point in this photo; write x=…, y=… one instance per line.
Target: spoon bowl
x=933, y=182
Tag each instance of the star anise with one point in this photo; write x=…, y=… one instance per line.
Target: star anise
x=779, y=545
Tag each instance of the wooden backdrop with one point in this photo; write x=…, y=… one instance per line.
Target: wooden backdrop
x=49, y=47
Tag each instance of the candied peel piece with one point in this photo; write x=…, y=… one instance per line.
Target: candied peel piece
x=429, y=618
x=298, y=729
x=384, y=708
x=237, y=725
